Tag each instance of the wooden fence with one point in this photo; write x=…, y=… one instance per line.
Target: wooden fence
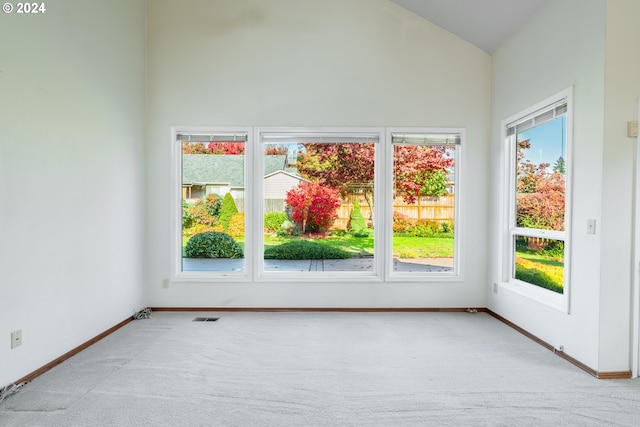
x=438, y=209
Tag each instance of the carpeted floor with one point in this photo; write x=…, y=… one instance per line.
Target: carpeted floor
x=320, y=369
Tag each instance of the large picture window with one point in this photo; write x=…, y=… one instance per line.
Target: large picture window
x=538, y=204
x=319, y=193
x=316, y=204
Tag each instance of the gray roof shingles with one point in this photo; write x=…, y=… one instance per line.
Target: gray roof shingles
x=223, y=168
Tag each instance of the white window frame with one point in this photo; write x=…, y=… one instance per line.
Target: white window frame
x=376, y=275
x=254, y=242
x=178, y=275
x=457, y=273
x=507, y=196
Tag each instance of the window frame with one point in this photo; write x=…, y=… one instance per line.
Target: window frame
x=177, y=273
x=377, y=274
x=508, y=202
x=253, y=271
x=398, y=276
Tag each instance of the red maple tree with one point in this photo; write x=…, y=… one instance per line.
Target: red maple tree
x=313, y=206
x=421, y=170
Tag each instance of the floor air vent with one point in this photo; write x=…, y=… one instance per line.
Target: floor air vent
x=205, y=319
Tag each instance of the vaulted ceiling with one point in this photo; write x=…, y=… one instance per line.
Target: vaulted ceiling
x=484, y=23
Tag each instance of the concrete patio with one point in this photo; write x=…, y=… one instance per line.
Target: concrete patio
x=352, y=264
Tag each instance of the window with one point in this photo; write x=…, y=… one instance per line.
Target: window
x=538, y=166
x=423, y=203
x=321, y=204
x=318, y=193
x=212, y=171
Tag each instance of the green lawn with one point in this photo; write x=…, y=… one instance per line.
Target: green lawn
x=540, y=269
x=356, y=246
x=403, y=246
x=422, y=247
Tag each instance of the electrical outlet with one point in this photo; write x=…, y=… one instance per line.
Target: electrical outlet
x=165, y=283
x=16, y=338
x=495, y=288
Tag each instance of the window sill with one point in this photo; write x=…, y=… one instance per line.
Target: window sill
x=543, y=296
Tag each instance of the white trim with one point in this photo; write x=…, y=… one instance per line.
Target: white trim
x=635, y=267
x=536, y=293
x=457, y=274
x=298, y=177
x=267, y=135
x=177, y=274
x=254, y=182
x=508, y=229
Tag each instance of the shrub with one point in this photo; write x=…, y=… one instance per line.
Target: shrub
x=203, y=211
x=187, y=219
x=274, y=220
x=286, y=229
x=361, y=233
x=357, y=223
x=212, y=244
x=424, y=228
x=227, y=210
x=236, y=225
x=200, y=228
x=304, y=249
x=313, y=206
x=401, y=223
x=213, y=202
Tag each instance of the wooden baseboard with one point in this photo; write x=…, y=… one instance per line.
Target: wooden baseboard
x=71, y=353
x=562, y=354
x=614, y=375
x=78, y=349
x=320, y=309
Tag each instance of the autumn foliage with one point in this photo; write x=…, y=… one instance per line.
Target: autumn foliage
x=421, y=170
x=313, y=206
x=341, y=166
x=232, y=148
x=540, y=197
x=418, y=170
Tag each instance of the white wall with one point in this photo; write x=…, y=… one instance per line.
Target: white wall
x=562, y=46
x=622, y=91
x=71, y=133
x=311, y=63
x=593, y=46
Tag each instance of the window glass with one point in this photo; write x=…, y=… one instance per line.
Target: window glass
x=424, y=202
x=539, y=262
x=213, y=204
x=540, y=176
x=318, y=203
x=539, y=161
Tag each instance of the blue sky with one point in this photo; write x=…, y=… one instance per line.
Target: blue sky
x=546, y=142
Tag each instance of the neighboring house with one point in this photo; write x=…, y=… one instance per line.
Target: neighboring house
x=204, y=174
x=276, y=185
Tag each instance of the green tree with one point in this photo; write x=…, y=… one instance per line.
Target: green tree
x=357, y=223
x=560, y=166
x=227, y=210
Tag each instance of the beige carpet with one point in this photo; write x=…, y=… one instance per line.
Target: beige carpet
x=320, y=369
